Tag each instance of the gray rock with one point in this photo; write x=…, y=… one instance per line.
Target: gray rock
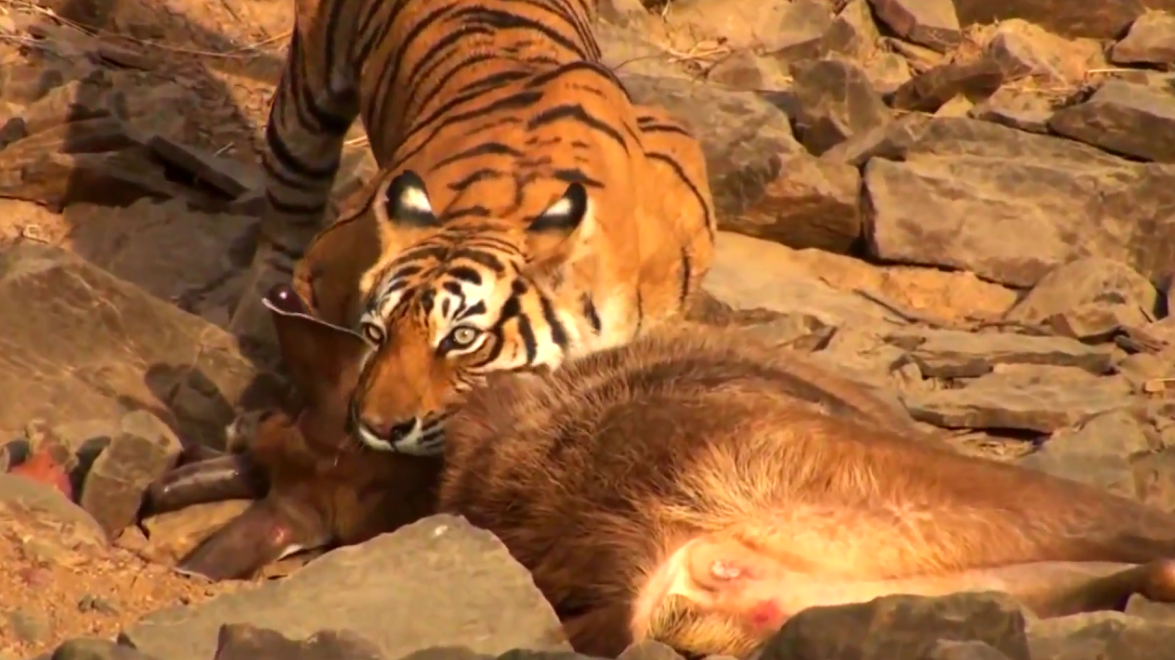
x=971, y=650
x=1150, y=610
x=1099, y=20
x=28, y=625
x=142, y=450
x=958, y=354
x=79, y=343
x=649, y=650
x=930, y=90
x=88, y=648
x=1024, y=50
x=893, y=627
x=932, y=23
x=48, y=503
x=1030, y=398
x=1126, y=118
x=1110, y=635
x=780, y=286
x=764, y=182
x=782, y=29
x=1089, y=299
x=853, y=32
x=1019, y=109
x=473, y=592
x=836, y=101
x=1098, y=452
x=241, y=641
x=1154, y=478
x=966, y=197
x=1151, y=40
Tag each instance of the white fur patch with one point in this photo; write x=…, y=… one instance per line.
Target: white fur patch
x=415, y=199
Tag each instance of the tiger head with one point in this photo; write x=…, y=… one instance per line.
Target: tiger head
x=466, y=292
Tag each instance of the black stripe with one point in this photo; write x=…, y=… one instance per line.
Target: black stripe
x=483, y=174
x=421, y=101
x=390, y=73
x=316, y=209
x=477, y=308
x=451, y=214
x=286, y=159
x=481, y=258
x=663, y=128
x=581, y=66
x=589, y=311
x=673, y=164
x=686, y=273
x=519, y=101
x=558, y=332
x=577, y=176
x=504, y=20
x=465, y=274
x=526, y=335
x=484, y=149
x=578, y=114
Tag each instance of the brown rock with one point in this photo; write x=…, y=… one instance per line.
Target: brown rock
x=175, y=533
x=79, y=343
x=931, y=23
x=927, y=91
x=788, y=30
x=1127, y=118
x=746, y=71
x=906, y=627
x=888, y=72
x=764, y=182
x=891, y=141
x=1020, y=109
x=1024, y=50
x=1009, y=206
x=1089, y=280
x=836, y=101
x=460, y=578
x=141, y=452
x=241, y=641
x=1151, y=40
x=1097, y=452
x=1097, y=20
x=958, y=354
x=1026, y=397
x=853, y=32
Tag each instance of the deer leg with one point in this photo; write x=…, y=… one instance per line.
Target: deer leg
x=268, y=530
x=716, y=595
x=224, y=477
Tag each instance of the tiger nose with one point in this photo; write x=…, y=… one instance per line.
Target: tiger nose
x=392, y=433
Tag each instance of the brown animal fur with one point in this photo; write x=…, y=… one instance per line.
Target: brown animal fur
x=696, y=489
x=324, y=489
x=672, y=489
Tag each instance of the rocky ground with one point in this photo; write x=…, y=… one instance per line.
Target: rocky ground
x=976, y=217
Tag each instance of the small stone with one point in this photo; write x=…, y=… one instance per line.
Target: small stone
x=28, y=626
x=1023, y=110
x=893, y=627
x=247, y=642
x=958, y=354
x=1086, y=281
x=928, y=91
x=96, y=649
x=836, y=102
x=932, y=23
x=852, y=32
x=1026, y=397
x=1024, y=50
x=90, y=603
x=1151, y=40
x=142, y=451
x=1126, y=118
x=650, y=650
x=945, y=649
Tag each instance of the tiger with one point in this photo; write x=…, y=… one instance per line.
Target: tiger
x=526, y=210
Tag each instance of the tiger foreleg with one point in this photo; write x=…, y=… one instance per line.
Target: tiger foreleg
x=304, y=134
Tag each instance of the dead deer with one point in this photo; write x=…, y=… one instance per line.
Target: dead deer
x=313, y=485
x=671, y=489
x=694, y=488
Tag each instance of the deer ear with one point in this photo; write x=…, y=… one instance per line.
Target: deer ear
x=319, y=355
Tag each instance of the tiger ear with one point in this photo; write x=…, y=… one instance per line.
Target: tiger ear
x=406, y=202
x=320, y=356
x=558, y=230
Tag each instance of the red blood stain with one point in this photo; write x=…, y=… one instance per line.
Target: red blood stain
x=42, y=468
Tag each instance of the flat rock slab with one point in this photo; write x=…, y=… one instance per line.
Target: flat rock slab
x=958, y=354
x=1031, y=398
x=79, y=343
x=437, y=582
x=1011, y=213
x=750, y=273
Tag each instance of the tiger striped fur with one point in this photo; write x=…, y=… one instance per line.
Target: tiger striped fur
x=526, y=210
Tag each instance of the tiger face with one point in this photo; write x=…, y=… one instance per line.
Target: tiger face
x=472, y=297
